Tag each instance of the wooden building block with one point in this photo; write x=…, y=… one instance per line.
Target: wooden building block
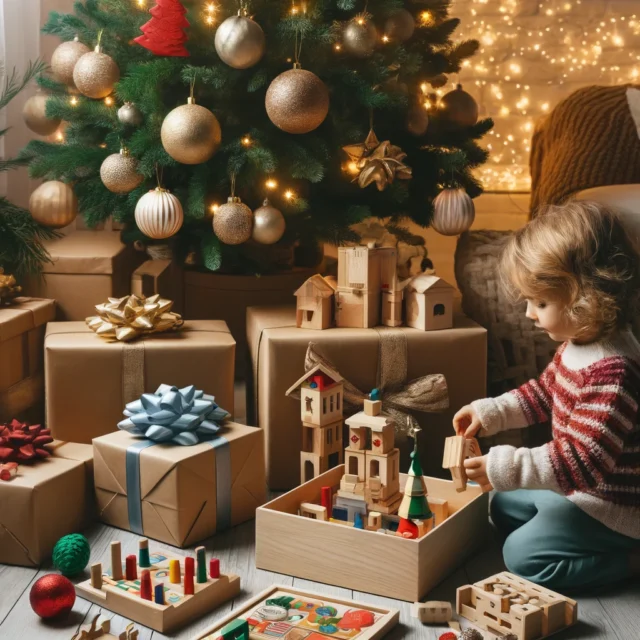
x=96, y=575
x=433, y=612
x=372, y=407
x=429, y=303
x=116, y=560
x=392, y=308
x=456, y=450
x=357, y=438
x=374, y=521
x=357, y=309
x=311, y=466
x=355, y=464
x=439, y=508
x=314, y=304
x=384, y=466
x=314, y=511
x=383, y=440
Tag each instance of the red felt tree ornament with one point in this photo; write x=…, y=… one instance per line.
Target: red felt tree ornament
x=164, y=34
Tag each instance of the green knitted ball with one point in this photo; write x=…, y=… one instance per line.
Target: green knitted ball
x=71, y=554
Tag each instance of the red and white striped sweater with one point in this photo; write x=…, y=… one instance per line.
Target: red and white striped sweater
x=591, y=395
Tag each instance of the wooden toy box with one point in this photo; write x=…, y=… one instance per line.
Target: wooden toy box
x=363, y=560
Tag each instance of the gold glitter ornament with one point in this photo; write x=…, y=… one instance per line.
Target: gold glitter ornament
x=453, y=212
x=459, y=108
x=159, y=214
x=233, y=221
x=34, y=113
x=268, y=224
x=8, y=288
x=379, y=162
x=64, y=59
x=190, y=133
x=360, y=37
x=54, y=204
x=240, y=42
x=297, y=101
x=119, y=172
x=95, y=74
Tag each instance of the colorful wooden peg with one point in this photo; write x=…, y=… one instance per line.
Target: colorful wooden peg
x=144, y=562
x=131, y=567
x=96, y=575
x=201, y=556
x=116, y=561
x=159, y=593
x=145, y=584
x=188, y=576
x=174, y=571
x=325, y=500
x=214, y=568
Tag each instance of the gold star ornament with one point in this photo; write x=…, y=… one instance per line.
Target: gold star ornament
x=375, y=161
x=124, y=319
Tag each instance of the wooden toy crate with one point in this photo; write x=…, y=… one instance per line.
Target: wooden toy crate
x=363, y=560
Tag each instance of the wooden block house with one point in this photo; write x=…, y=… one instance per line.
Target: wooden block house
x=314, y=304
x=429, y=303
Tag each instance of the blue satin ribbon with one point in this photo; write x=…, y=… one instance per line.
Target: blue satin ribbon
x=223, y=482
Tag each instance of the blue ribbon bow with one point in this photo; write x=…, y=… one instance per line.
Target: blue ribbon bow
x=185, y=416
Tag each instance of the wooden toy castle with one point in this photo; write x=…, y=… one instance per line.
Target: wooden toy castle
x=368, y=293
x=321, y=400
x=157, y=591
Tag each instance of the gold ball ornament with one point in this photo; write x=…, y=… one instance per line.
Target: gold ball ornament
x=54, y=204
x=34, y=113
x=64, y=60
x=360, y=37
x=191, y=134
x=119, y=172
x=233, y=221
x=130, y=115
x=297, y=101
x=453, y=212
x=459, y=107
x=268, y=224
x=159, y=214
x=240, y=42
x=95, y=74
x=399, y=26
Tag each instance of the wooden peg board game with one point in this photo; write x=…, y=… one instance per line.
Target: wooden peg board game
x=123, y=596
x=286, y=613
x=506, y=603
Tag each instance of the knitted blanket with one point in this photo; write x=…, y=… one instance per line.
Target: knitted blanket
x=588, y=140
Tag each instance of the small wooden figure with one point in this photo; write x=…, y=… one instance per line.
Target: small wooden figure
x=188, y=576
x=116, y=560
x=456, y=450
x=214, y=568
x=96, y=575
x=145, y=584
x=174, y=572
x=429, y=303
x=101, y=629
x=433, y=612
x=159, y=593
x=314, y=304
x=201, y=560
x=374, y=521
x=143, y=554
x=131, y=571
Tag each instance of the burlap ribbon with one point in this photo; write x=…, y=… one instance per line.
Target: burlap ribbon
x=399, y=398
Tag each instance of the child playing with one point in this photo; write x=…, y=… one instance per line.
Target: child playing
x=571, y=508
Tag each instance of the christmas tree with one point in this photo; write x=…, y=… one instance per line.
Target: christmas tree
x=334, y=110
x=414, y=505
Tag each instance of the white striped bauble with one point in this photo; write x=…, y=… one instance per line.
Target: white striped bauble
x=453, y=212
x=159, y=214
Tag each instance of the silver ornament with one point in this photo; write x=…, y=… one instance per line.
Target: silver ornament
x=297, y=101
x=35, y=115
x=399, y=26
x=268, y=224
x=453, y=213
x=130, y=115
x=240, y=42
x=232, y=222
x=119, y=172
x=360, y=37
x=159, y=214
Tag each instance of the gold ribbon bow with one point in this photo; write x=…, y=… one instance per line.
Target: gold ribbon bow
x=127, y=318
x=8, y=288
x=399, y=398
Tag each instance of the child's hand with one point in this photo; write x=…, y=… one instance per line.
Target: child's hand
x=466, y=422
x=476, y=469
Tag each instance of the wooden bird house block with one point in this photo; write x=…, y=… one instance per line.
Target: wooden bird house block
x=314, y=304
x=429, y=303
x=507, y=604
x=456, y=450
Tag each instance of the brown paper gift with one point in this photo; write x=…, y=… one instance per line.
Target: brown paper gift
x=227, y=297
x=44, y=502
x=87, y=268
x=89, y=380
x=278, y=353
x=159, y=276
x=185, y=493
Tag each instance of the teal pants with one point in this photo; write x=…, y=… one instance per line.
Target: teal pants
x=552, y=542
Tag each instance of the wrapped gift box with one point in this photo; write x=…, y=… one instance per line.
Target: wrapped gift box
x=180, y=494
x=45, y=501
x=159, y=276
x=89, y=380
x=369, y=561
x=87, y=268
x=278, y=352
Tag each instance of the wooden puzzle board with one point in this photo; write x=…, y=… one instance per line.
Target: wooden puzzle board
x=310, y=616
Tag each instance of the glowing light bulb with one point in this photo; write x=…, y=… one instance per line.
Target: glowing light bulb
x=142, y=3
x=385, y=39
x=246, y=141
x=74, y=101
x=214, y=207
x=289, y=195
x=337, y=47
x=108, y=101
x=360, y=20
x=426, y=18
x=545, y=106
x=352, y=168
x=60, y=136
x=209, y=20
x=211, y=8
x=617, y=40
x=271, y=184
x=514, y=67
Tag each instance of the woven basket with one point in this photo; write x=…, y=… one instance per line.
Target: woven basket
x=517, y=350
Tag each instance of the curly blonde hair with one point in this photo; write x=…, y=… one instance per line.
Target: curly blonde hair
x=581, y=256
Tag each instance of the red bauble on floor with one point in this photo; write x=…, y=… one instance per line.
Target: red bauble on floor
x=52, y=595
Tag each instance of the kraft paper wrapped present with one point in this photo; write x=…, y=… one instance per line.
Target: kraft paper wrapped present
x=87, y=268
x=180, y=494
x=90, y=380
x=45, y=501
x=278, y=351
